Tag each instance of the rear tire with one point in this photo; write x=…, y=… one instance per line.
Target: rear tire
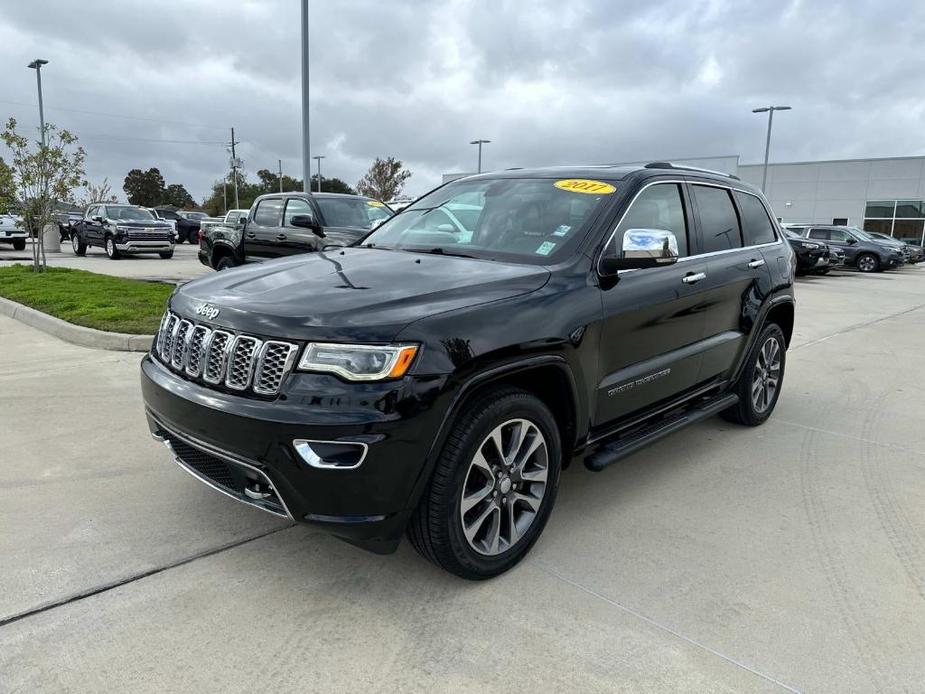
x=761, y=380
x=483, y=509
x=19, y=245
x=867, y=262
x=80, y=248
x=192, y=237
x=166, y=255
x=226, y=262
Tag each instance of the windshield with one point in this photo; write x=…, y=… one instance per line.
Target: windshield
x=863, y=235
x=353, y=212
x=792, y=234
x=126, y=212
x=522, y=220
x=194, y=215
x=168, y=214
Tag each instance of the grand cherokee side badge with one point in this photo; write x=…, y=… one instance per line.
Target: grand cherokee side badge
x=207, y=310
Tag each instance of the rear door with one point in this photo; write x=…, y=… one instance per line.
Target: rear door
x=837, y=238
x=653, y=319
x=263, y=230
x=737, y=272
x=298, y=239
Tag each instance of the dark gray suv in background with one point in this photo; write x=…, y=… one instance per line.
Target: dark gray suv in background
x=861, y=250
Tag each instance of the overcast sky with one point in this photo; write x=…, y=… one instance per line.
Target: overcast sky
x=549, y=82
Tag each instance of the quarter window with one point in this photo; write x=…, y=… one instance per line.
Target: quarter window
x=268, y=212
x=719, y=223
x=756, y=225
x=657, y=207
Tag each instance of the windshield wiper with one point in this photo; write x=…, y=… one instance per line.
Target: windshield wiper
x=438, y=251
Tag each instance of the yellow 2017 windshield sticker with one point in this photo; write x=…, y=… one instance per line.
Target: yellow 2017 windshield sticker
x=583, y=185
x=375, y=203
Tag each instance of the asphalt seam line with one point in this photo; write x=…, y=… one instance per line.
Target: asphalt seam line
x=669, y=630
x=854, y=327
x=106, y=587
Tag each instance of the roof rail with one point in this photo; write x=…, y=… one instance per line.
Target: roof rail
x=669, y=165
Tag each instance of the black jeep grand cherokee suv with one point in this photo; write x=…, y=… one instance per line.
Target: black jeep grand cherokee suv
x=437, y=376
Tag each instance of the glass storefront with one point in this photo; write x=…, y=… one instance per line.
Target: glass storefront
x=902, y=219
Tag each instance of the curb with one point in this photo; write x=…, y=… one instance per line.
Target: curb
x=76, y=334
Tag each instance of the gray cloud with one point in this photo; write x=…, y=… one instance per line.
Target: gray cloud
x=548, y=82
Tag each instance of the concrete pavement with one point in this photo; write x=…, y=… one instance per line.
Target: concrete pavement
x=788, y=557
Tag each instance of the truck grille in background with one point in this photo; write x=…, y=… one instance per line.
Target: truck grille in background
x=149, y=235
x=220, y=358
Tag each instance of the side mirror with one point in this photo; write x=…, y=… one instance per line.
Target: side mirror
x=97, y=218
x=306, y=221
x=852, y=240
x=642, y=248
x=242, y=219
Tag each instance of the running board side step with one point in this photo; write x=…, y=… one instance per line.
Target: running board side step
x=608, y=453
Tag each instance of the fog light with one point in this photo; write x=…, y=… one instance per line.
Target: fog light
x=331, y=455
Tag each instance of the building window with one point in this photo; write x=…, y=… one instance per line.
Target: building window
x=902, y=219
x=840, y=221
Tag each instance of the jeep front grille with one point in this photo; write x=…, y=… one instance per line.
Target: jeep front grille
x=221, y=358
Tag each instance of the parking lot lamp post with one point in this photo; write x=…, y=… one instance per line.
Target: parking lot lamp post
x=37, y=66
x=480, y=143
x=318, y=159
x=306, y=153
x=767, y=145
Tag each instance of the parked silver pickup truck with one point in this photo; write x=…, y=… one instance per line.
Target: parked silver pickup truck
x=12, y=231
x=232, y=218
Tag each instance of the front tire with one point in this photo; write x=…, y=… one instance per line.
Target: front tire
x=111, y=251
x=19, y=245
x=759, y=384
x=226, y=262
x=868, y=262
x=166, y=255
x=80, y=248
x=493, y=486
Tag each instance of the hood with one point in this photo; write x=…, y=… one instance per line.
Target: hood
x=141, y=223
x=353, y=294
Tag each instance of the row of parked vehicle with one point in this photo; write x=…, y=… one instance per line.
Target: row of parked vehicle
x=819, y=248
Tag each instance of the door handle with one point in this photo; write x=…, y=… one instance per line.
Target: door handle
x=251, y=235
x=694, y=277
x=756, y=263
x=280, y=237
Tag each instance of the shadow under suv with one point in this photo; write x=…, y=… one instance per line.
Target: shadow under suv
x=435, y=379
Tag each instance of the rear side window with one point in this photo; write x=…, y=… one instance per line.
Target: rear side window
x=657, y=207
x=268, y=212
x=719, y=223
x=756, y=225
x=822, y=234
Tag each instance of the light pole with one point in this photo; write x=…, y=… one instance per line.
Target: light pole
x=306, y=153
x=37, y=66
x=767, y=144
x=480, y=143
x=280, y=175
x=319, y=158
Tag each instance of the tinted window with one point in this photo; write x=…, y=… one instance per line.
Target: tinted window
x=719, y=223
x=838, y=235
x=352, y=212
x=819, y=234
x=756, y=225
x=296, y=206
x=657, y=207
x=267, y=212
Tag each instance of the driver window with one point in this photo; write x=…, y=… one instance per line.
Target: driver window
x=657, y=207
x=837, y=235
x=295, y=206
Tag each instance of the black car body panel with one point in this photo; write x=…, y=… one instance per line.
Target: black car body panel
x=262, y=238
x=147, y=235
x=605, y=351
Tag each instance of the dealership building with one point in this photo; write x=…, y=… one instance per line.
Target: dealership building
x=882, y=194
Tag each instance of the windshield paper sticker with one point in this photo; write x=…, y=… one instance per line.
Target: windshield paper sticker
x=545, y=248
x=375, y=203
x=583, y=185
x=562, y=230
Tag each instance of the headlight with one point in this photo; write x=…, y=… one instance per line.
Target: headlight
x=810, y=245
x=119, y=227
x=358, y=362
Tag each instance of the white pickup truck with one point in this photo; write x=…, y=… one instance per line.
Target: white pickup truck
x=232, y=218
x=12, y=231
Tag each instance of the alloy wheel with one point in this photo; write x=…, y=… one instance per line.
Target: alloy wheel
x=767, y=375
x=110, y=247
x=504, y=487
x=75, y=243
x=867, y=264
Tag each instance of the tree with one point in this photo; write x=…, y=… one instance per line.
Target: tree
x=384, y=180
x=332, y=185
x=96, y=193
x=42, y=175
x=145, y=188
x=177, y=195
x=7, y=187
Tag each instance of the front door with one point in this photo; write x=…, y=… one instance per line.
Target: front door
x=263, y=229
x=837, y=238
x=298, y=239
x=653, y=319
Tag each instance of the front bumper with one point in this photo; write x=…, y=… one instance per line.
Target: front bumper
x=13, y=235
x=130, y=246
x=368, y=505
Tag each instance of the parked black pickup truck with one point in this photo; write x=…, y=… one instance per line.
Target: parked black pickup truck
x=437, y=381
x=290, y=223
x=122, y=229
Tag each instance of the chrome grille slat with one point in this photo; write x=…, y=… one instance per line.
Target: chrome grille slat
x=221, y=358
x=241, y=360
